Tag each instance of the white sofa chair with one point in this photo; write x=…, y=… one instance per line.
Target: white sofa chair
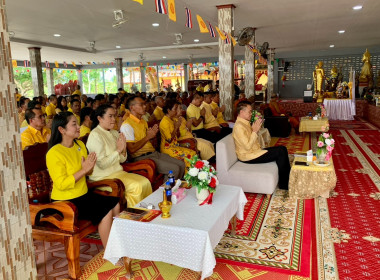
x=254, y=178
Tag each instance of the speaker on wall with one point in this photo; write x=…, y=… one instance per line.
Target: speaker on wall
x=308, y=96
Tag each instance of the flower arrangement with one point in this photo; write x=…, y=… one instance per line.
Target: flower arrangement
x=325, y=145
x=201, y=175
x=255, y=116
x=321, y=110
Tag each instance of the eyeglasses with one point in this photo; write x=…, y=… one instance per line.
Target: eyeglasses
x=41, y=117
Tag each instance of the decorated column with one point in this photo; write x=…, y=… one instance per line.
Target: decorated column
x=50, y=81
x=158, y=78
x=249, y=71
x=36, y=67
x=80, y=79
x=270, y=85
x=119, y=72
x=17, y=257
x=226, y=60
x=143, y=80
x=186, y=76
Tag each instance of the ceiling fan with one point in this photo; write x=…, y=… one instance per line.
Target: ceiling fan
x=141, y=57
x=119, y=18
x=91, y=47
x=178, y=39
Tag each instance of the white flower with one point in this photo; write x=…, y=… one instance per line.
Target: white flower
x=202, y=175
x=205, y=162
x=193, y=172
x=328, y=142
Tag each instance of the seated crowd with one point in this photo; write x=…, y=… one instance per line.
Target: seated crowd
x=116, y=128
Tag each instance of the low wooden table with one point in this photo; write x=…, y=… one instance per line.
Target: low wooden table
x=310, y=125
x=311, y=181
x=186, y=239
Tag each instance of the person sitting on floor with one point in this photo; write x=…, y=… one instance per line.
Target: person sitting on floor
x=111, y=150
x=138, y=137
x=278, y=110
x=85, y=120
x=169, y=129
x=248, y=148
x=68, y=165
x=36, y=131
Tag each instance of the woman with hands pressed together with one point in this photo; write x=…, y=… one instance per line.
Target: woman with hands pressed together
x=68, y=165
x=170, y=132
x=110, y=147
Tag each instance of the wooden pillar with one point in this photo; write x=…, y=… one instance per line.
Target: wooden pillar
x=80, y=79
x=270, y=85
x=186, y=76
x=36, y=68
x=249, y=71
x=17, y=257
x=143, y=80
x=226, y=60
x=50, y=81
x=119, y=72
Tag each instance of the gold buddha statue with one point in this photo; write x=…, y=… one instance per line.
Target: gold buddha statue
x=319, y=77
x=334, y=72
x=366, y=72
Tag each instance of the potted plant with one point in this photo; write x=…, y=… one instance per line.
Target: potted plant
x=325, y=146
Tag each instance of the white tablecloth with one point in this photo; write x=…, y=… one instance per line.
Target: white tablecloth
x=339, y=109
x=187, y=239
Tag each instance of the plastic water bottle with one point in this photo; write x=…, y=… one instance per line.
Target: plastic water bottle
x=171, y=179
x=168, y=191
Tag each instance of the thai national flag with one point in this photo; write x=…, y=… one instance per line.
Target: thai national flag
x=189, y=21
x=227, y=40
x=160, y=7
x=65, y=64
x=47, y=64
x=211, y=30
x=26, y=63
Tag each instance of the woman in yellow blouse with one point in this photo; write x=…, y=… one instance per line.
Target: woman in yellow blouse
x=111, y=150
x=68, y=165
x=205, y=148
x=61, y=105
x=169, y=129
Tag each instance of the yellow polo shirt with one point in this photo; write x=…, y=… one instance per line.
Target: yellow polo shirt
x=50, y=110
x=219, y=117
x=21, y=117
x=63, y=163
x=194, y=112
x=135, y=130
x=210, y=120
x=30, y=136
x=84, y=130
x=24, y=123
x=158, y=113
x=43, y=109
x=77, y=116
x=247, y=145
x=77, y=92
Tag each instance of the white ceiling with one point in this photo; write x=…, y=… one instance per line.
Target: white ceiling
x=292, y=27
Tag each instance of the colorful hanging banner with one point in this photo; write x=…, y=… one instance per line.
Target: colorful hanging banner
x=73, y=63
x=26, y=63
x=227, y=40
x=202, y=25
x=172, y=13
x=233, y=40
x=252, y=48
x=56, y=64
x=65, y=64
x=189, y=21
x=14, y=63
x=221, y=35
x=94, y=62
x=47, y=64
x=211, y=29
x=139, y=1
x=160, y=7
x=88, y=62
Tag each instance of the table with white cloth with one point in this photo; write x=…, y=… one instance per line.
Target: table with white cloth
x=339, y=109
x=186, y=239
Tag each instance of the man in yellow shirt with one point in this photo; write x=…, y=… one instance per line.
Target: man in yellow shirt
x=75, y=109
x=77, y=91
x=36, y=131
x=218, y=110
x=138, y=135
x=18, y=95
x=85, y=120
x=50, y=109
x=248, y=148
x=158, y=113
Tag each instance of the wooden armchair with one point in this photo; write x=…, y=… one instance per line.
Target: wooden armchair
x=58, y=221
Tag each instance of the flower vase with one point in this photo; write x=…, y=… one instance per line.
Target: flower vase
x=204, y=196
x=321, y=156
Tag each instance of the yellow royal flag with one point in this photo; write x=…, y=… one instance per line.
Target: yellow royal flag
x=221, y=35
x=56, y=64
x=202, y=25
x=14, y=63
x=232, y=39
x=171, y=8
x=73, y=63
x=88, y=62
x=139, y=1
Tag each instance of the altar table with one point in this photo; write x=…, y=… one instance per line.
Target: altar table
x=186, y=239
x=339, y=109
x=311, y=181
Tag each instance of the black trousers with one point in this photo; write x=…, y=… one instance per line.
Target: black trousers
x=278, y=154
x=212, y=136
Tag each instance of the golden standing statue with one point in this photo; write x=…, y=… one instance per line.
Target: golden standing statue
x=318, y=76
x=366, y=73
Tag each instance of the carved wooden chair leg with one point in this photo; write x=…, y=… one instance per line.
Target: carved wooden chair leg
x=72, y=249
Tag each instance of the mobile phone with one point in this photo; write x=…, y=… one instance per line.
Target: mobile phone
x=135, y=211
x=304, y=163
